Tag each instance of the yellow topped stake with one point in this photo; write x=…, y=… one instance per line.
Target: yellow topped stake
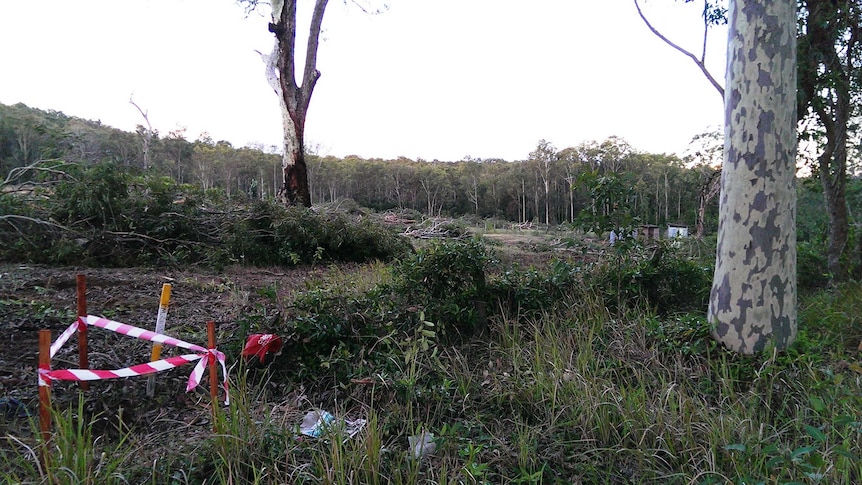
x=164, y=301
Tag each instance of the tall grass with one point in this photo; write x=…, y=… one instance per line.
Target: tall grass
x=575, y=393
x=74, y=455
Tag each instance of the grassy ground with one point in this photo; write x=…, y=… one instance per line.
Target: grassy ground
x=569, y=389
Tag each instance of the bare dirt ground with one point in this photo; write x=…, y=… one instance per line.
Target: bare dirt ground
x=33, y=298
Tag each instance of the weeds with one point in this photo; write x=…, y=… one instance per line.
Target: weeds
x=558, y=389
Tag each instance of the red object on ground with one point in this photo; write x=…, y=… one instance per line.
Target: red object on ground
x=260, y=345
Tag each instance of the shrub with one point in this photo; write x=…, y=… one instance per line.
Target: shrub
x=273, y=235
x=531, y=291
x=95, y=196
x=448, y=280
x=438, y=292
x=811, y=267
x=657, y=276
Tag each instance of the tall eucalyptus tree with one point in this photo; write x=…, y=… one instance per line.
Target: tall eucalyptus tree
x=294, y=98
x=753, y=298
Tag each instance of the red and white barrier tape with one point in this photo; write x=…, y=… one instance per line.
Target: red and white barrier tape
x=203, y=356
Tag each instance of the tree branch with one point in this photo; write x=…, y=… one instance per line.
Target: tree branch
x=699, y=62
x=310, y=75
x=16, y=173
x=9, y=217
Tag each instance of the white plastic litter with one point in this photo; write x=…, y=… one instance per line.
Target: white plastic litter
x=422, y=444
x=319, y=422
x=315, y=423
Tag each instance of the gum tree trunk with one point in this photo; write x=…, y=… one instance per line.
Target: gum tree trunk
x=293, y=98
x=753, y=297
x=829, y=63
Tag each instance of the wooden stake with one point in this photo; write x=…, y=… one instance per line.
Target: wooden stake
x=211, y=343
x=161, y=316
x=83, y=363
x=45, y=391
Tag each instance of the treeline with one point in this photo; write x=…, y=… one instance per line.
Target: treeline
x=551, y=186
x=595, y=185
x=29, y=134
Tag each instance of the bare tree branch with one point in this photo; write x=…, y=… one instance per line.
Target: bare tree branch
x=370, y=11
x=147, y=136
x=700, y=62
x=37, y=166
x=11, y=217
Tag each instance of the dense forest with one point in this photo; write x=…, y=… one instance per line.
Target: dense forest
x=596, y=185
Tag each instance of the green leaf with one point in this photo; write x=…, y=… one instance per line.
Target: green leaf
x=817, y=404
x=735, y=446
x=846, y=454
x=802, y=450
x=845, y=419
x=815, y=433
x=769, y=450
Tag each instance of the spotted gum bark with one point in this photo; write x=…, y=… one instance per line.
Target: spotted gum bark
x=753, y=297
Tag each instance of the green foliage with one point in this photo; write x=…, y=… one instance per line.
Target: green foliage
x=833, y=316
x=93, y=197
x=530, y=291
x=660, y=276
x=448, y=280
x=102, y=215
x=686, y=334
x=610, y=193
x=273, y=235
x=75, y=454
x=327, y=331
x=437, y=293
x=812, y=269
x=244, y=447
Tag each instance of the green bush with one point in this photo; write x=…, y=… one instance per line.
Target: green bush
x=659, y=276
x=448, y=280
x=437, y=293
x=811, y=266
x=95, y=196
x=531, y=291
x=274, y=235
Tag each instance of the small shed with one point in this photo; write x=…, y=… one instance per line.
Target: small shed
x=648, y=232
x=676, y=230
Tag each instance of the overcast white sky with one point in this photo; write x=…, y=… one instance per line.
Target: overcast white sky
x=430, y=79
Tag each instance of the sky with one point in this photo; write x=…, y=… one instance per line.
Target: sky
x=424, y=79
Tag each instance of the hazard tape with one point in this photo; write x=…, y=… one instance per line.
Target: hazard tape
x=204, y=356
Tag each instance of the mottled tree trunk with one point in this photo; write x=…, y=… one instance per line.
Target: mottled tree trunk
x=753, y=297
